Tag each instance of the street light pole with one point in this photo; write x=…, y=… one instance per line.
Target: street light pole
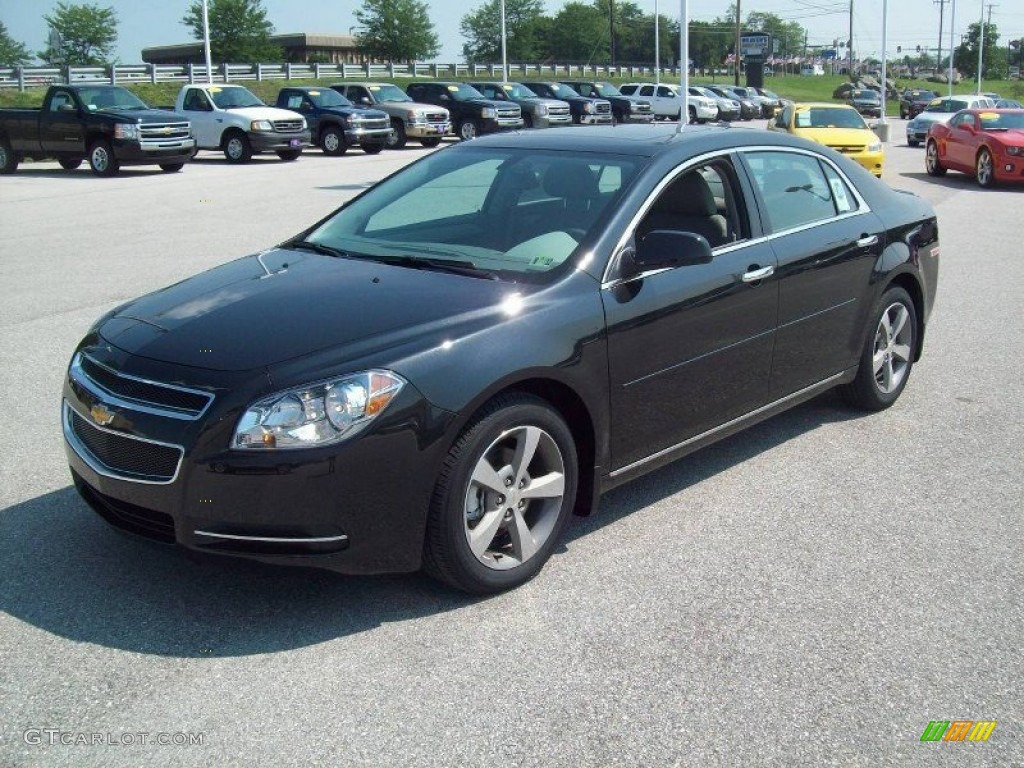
x=684, y=62
x=952, y=26
x=657, y=51
x=504, y=48
x=981, y=44
x=206, y=43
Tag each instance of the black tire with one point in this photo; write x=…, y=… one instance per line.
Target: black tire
x=101, y=159
x=398, y=138
x=289, y=155
x=431, y=142
x=913, y=143
x=527, y=120
x=468, y=129
x=932, y=164
x=885, y=365
x=70, y=162
x=372, y=149
x=237, y=148
x=171, y=167
x=492, y=441
x=332, y=141
x=8, y=159
x=691, y=115
x=984, y=170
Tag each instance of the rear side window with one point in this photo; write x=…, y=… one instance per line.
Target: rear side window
x=796, y=190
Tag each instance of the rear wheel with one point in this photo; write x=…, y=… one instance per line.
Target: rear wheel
x=983, y=169
x=171, y=167
x=332, y=142
x=101, y=159
x=288, y=155
x=372, y=149
x=237, y=148
x=504, y=495
x=8, y=160
x=691, y=114
x=432, y=141
x=398, y=138
x=932, y=163
x=70, y=162
x=888, y=354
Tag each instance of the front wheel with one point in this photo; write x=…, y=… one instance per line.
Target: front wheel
x=332, y=142
x=504, y=495
x=237, y=148
x=468, y=130
x=691, y=115
x=8, y=160
x=101, y=159
x=913, y=143
x=932, y=164
x=888, y=354
x=171, y=167
x=70, y=162
x=372, y=149
x=431, y=141
x=397, y=138
x=289, y=155
x=983, y=169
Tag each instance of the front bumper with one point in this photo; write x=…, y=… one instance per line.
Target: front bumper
x=871, y=161
x=367, y=135
x=132, y=153
x=638, y=117
x=551, y=121
x=591, y=119
x=917, y=134
x=356, y=507
x=427, y=130
x=706, y=113
x=261, y=141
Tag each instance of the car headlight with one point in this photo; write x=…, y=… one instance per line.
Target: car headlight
x=875, y=147
x=588, y=107
x=1015, y=151
x=542, y=110
x=261, y=125
x=319, y=414
x=126, y=131
x=489, y=112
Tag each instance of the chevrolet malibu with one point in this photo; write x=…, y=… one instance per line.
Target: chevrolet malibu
x=443, y=371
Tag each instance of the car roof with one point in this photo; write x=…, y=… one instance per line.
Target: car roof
x=819, y=104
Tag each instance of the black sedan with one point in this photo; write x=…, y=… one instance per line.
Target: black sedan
x=440, y=373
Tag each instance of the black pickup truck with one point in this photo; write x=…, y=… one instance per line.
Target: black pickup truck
x=625, y=109
x=585, y=111
x=107, y=124
x=335, y=122
x=472, y=114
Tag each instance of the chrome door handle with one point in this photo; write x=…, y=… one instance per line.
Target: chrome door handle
x=755, y=275
x=867, y=242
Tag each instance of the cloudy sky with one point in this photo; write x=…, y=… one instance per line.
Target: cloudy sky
x=144, y=23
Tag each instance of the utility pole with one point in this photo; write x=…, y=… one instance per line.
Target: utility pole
x=850, y=50
x=952, y=26
x=737, y=70
x=981, y=39
x=942, y=8
x=611, y=28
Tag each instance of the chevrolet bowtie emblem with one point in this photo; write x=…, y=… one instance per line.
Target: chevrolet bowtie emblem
x=101, y=414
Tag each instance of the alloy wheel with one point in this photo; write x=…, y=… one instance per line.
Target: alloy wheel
x=984, y=168
x=892, y=349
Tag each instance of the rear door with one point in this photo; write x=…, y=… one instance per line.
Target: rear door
x=826, y=241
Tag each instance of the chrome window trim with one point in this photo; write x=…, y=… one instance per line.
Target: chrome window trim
x=862, y=208
x=77, y=373
x=727, y=425
x=273, y=539
x=83, y=452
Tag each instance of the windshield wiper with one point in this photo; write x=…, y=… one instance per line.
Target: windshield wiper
x=452, y=266
x=309, y=245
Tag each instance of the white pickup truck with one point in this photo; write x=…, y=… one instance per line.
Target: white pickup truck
x=231, y=119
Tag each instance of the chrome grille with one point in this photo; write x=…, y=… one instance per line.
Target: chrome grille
x=438, y=118
x=164, y=131
x=641, y=108
x=371, y=122
x=119, y=455
x=288, y=126
x=846, y=149
x=139, y=394
x=509, y=113
x=558, y=111
x=603, y=107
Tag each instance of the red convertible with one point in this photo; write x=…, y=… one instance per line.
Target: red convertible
x=988, y=143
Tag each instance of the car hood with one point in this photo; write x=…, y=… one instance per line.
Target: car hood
x=843, y=136
x=264, y=113
x=146, y=115
x=284, y=304
x=933, y=117
x=1014, y=137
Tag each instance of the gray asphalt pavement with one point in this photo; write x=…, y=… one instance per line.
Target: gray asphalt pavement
x=809, y=593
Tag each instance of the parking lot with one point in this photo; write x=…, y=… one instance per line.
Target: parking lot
x=813, y=591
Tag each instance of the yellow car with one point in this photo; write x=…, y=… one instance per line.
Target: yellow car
x=835, y=125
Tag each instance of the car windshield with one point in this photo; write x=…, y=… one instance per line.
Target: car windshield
x=866, y=95
x=1002, y=121
x=463, y=92
x=606, y=89
x=389, y=93
x=923, y=95
x=110, y=97
x=518, y=91
x=829, y=117
x=328, y=98
x=769, y=94
x=563, y=91
x=233, y=97
x=516, y=214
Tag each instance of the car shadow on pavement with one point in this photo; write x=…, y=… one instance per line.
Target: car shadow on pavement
x=956, y=180
x=67, y=572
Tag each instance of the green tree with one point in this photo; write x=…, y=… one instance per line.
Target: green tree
x=239, y=30
x=12, y=53
x=993, y=57
x=787, y=36
x=88, y=34
x=578, y=33
x=482, y=30
x=396, y=30
x=710, y=43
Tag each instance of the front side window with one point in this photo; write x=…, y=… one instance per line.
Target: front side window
x=794, y=189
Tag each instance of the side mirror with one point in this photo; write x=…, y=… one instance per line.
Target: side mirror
x=67, y=108
x=666, y=249
x=364, y=100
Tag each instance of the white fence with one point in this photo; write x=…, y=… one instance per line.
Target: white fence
x=23, y=78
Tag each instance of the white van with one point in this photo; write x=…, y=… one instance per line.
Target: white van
x=812, y=69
